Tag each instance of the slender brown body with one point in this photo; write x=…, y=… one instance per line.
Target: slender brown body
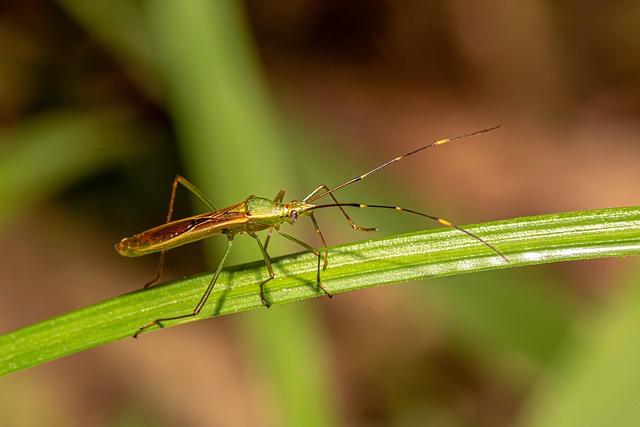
x=252, y=215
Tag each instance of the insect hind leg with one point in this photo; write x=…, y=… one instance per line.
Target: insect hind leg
x=178, y=179
x=201, y=302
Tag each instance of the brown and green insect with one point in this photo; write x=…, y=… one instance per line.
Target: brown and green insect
x=257, y=214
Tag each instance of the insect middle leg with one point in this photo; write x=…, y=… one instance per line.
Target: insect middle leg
x=277, y=199
x=203, y=299
x=324, y=242
x=351, y=223
x=311, y=249
x=174, y=186
x=267, y=261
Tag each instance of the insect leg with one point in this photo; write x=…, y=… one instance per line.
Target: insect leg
x=351, y=223
x=324, y=242
x=158, y=271
x=202, y=301
x=311, y=249
x=199, y=194
x=267, y=261
x=277, y=199
x=174, y=186
x=279, y=196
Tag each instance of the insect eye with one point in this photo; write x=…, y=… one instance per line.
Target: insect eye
x=294, y=215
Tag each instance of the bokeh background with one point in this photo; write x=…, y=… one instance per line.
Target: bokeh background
x=103, y=102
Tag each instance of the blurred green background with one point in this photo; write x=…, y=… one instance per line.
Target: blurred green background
x=103, y=102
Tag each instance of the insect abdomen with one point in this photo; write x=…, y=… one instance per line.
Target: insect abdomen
x=173, y=234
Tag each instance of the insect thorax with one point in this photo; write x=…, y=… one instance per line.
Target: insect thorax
x=259, y=207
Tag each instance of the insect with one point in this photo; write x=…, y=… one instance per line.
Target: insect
x=257, y=214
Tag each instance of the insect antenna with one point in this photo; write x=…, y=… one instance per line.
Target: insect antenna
x=313, y=197
x=440, y=221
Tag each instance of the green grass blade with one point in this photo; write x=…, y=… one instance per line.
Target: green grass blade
x=395, y=259
x=232, y=143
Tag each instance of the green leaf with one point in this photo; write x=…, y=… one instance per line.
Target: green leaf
x=395, y=259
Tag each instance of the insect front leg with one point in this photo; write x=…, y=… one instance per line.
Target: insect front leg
x=202, y=301
x=267, y=261
x=174, y=186
x=351, y=223
x=311, y=249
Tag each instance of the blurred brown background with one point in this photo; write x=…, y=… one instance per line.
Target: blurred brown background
x=102, y=103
